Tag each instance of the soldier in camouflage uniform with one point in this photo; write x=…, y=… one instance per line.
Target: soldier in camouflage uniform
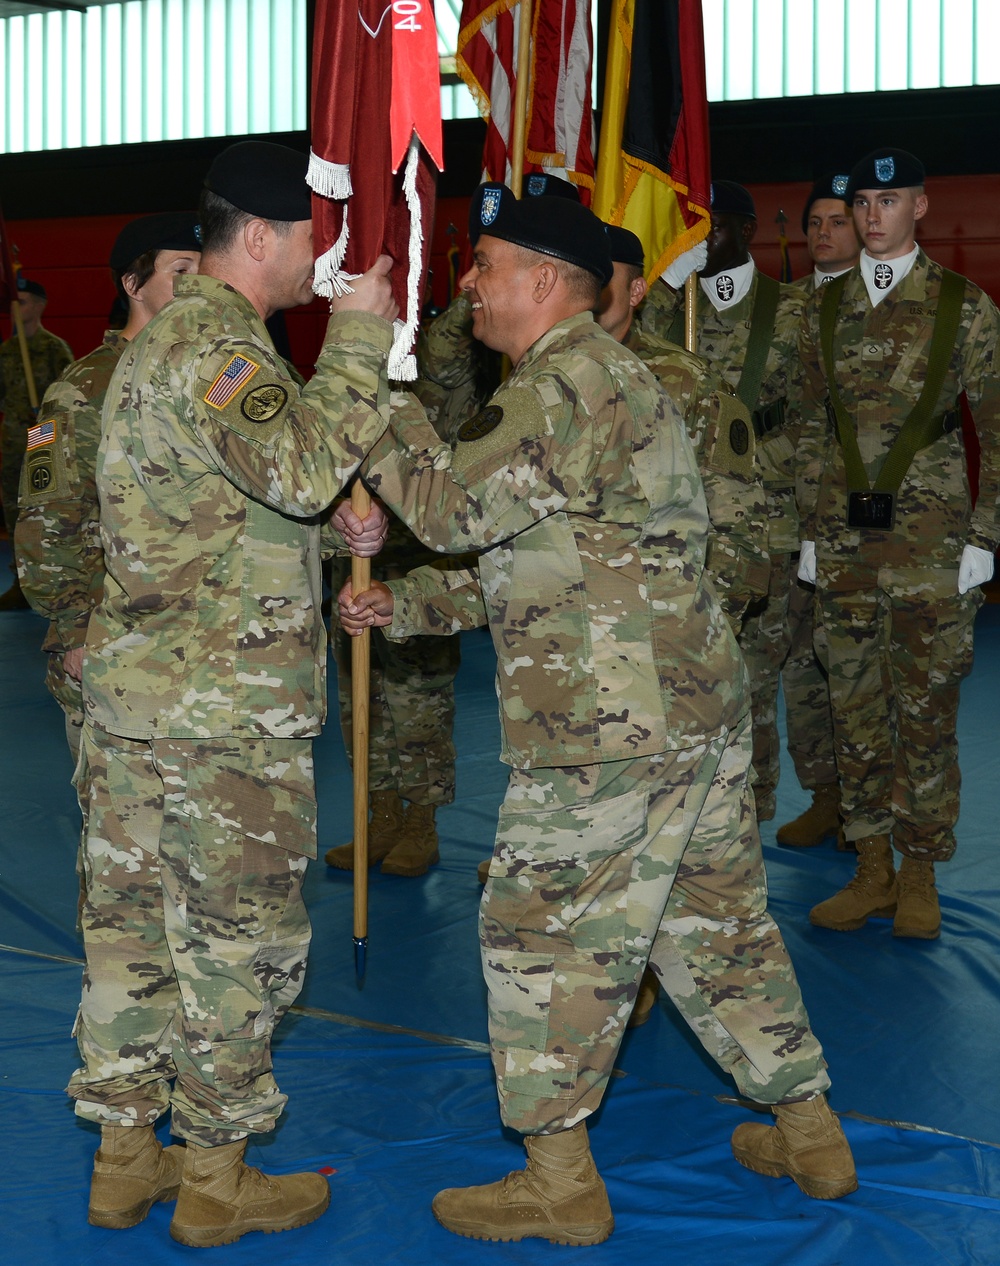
x=718, y=425
x=627, y=833
x=203, y=687
x=732, y=307
x=49, y=357
x=59, y=557
x=891, y=538
x=834, y=248
x=412, y=702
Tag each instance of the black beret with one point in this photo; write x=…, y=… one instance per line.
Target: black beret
x=732, y=199
x=171, y=231
x=833, y=186
x=27, y=287
x=262, y=179
x=625, y=247
x=553, y=226
x=885, y=169
x=540, y=184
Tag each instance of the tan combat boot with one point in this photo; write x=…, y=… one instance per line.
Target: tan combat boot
x=645, y=999
x=819, y=822
x=918, y=913
x=417, y=845
x=132, y=1172
x=222, y=1199
x=384, y=827
x=560, y=1197
x=871, y=893
x=806, y=1145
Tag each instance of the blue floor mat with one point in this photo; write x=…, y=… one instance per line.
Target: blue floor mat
x=390, y=1083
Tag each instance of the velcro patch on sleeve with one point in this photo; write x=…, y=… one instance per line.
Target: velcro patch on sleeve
x=493, y=435
x=40, y=434
x=234, y=376
x=734, y=449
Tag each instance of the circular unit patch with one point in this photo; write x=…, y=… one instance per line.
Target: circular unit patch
x=483, y=423
x=261, y=404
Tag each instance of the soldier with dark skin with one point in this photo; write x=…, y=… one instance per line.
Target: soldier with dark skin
x=834, y=246
x=627, y=832
x=748, y=331
x=891, y=539
x=204, y=684
x=49, y=356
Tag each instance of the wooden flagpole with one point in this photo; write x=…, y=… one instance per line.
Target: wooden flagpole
x=520, y=120
x=361, y=577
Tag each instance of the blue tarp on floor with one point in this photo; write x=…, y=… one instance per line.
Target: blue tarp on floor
x=390, y=1084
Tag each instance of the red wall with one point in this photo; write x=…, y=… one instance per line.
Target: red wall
x=961, y=230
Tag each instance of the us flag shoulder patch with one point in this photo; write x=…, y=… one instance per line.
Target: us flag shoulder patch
x=239, y=371
x=43, y=433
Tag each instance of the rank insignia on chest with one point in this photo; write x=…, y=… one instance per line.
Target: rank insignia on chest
x=883, y=276
x=238, y=371
x=483, y=423
x=42, y=433
x=724, y=287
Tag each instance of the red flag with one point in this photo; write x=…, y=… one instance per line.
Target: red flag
x=376, y=109
x=559, y=124
x=653, y=175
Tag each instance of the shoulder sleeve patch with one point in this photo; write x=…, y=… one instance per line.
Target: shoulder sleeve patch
x=236, y=374
x=495, y=433
x=43, y=473
x=734, y=450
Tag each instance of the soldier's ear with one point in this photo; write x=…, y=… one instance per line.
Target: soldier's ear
x=130, y=284
x=920, y=205
x=637, y=291
x=546, y=276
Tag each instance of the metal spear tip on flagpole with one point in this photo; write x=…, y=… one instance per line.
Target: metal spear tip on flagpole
x=781, y=218
x=360, y=955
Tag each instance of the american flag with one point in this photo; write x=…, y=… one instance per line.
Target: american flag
x=559, y=123
x=236, y=373
x=43, y=433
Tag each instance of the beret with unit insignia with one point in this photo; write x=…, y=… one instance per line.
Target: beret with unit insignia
x=885, y=169
x=263, y=179
x=729, y=198
x=833, y=185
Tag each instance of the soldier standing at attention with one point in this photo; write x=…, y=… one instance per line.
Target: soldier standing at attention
x=48, y=356
x=891, y=539
x=627, y=832
x=834, y=247
x=59, y=557
x=748, y=331
x=203, y=686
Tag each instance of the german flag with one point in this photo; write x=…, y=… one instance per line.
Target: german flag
x=653, y=166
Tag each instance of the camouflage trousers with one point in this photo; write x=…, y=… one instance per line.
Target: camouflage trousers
x=411, y=714
x=808, y=719
x=896, y=652
x=13, y=442
x=598, y=870
x=195, y=931
x=68, y=693
x=764, y=641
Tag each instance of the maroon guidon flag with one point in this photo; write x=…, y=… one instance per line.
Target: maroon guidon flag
x=376, y=148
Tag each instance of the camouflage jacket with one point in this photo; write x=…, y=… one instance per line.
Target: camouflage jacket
x=722, y=341
x=881, y=360
x=49, y=357
x=724, y=446
x=579, y=485
x=212, y=470
x=446, y=386
x=59, y=557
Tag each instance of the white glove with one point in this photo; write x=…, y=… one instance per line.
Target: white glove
x=975, y=568
x=807, y=562
x=692, y=261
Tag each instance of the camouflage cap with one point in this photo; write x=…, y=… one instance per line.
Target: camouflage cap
x=552, y=226
x=885, y=169
x=833, y=185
